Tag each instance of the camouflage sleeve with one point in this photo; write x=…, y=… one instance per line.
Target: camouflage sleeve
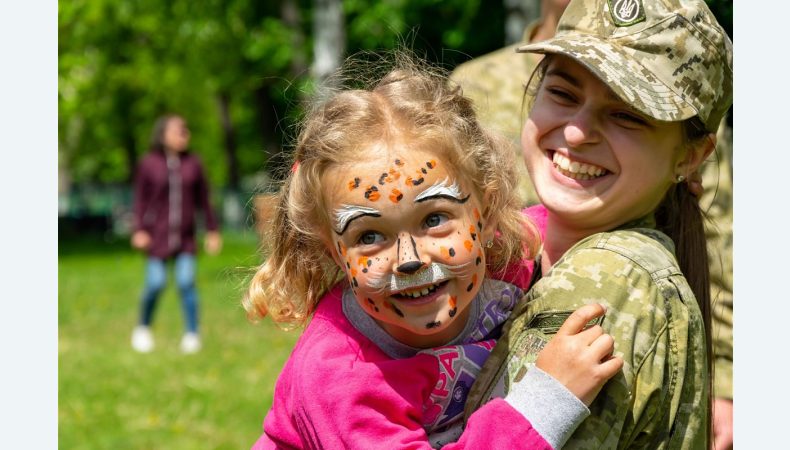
x=717, y=202
x=654, y=402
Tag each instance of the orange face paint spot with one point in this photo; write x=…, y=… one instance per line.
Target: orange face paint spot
x=477, y=214
x=396, y=196
x=468, y=245
x=342, y=249
x=472, y=229
x=432, y=164
x=409, y=181
x=363, y=261
x=452, y=301
x=444, y=251
x=353, y=272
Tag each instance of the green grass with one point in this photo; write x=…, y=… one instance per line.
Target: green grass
x=113, y=397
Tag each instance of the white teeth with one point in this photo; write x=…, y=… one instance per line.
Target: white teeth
x=576, y=169
x=419, y=292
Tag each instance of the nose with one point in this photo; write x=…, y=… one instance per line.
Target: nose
x=582, y=129
x=408, y=258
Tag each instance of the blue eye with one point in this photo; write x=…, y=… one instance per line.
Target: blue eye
x=370, y=238
x=435, y=219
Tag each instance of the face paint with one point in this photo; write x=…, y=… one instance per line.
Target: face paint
x=408, y=267
x=346, y=213
x=353, y=184
x=396, y=196
x=372, y=193
x=412, y=182
x=442, y=189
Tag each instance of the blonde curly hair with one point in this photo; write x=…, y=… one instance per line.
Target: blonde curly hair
x=412, y=102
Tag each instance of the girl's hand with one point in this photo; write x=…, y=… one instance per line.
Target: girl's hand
x=581, y=359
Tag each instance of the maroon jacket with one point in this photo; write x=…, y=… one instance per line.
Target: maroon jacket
x=156, y=208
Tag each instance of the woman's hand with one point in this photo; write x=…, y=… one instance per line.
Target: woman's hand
x=141, y=240
x=213, y=242
x=581, y=359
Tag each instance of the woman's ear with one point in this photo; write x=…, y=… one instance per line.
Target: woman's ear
x=696, y=153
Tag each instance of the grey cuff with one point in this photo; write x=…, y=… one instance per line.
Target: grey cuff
x=553, y=410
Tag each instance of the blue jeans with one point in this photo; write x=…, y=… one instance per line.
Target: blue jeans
x=155, y=281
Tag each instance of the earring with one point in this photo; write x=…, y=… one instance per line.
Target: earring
x=489, y=243
x=680, y=179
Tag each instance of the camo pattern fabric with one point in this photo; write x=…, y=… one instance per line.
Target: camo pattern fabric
x=668, y=59
x=658, y=400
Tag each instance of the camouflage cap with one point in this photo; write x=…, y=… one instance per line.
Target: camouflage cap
x=669, y=59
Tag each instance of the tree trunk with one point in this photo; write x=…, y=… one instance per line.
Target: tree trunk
x=268, y=123
x=230, y=141
x=292, y=18
x=123, y=105
x=330, y=37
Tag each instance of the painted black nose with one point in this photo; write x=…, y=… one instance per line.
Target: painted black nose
x=410, y=267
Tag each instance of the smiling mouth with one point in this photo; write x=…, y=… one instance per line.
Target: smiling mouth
x=577, y=170
x=419, y=292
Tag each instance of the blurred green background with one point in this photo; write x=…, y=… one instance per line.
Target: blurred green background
x=237, y=71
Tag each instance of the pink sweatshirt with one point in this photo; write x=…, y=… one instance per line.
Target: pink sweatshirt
x=339, y=390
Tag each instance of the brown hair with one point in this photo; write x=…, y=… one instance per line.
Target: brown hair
x=158, y=132
x=412, y=102
x=680, y=217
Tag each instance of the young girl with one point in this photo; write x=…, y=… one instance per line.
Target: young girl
x=397, y=188
x=626, y=107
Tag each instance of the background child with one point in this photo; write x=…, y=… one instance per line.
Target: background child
x=398, y=189
x=626, y=107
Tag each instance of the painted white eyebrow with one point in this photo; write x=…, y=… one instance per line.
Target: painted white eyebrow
x=443, y=190
x=346, y=213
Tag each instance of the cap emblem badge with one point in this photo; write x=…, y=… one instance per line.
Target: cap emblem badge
x=626, y=12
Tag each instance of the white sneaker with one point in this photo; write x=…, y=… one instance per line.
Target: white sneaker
x=142, y=339
x=190, y=343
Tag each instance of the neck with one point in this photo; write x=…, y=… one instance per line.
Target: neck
x=559, y=238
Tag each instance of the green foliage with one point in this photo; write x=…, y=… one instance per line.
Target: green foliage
x=122, y=64
x=112, y=397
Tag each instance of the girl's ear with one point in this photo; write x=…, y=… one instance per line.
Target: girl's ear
x=696, y=153
x=331, y=251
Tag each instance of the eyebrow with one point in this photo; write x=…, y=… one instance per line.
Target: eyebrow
x=348, y=213
x=441, y=189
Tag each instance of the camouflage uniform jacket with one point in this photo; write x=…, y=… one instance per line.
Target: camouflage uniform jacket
x=659, y=398
x=495, y=83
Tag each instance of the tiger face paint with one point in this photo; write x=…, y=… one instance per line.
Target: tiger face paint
x=412, y=254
